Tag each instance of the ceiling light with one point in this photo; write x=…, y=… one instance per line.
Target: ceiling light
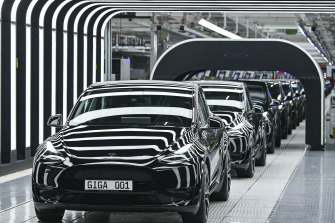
x=219, y=30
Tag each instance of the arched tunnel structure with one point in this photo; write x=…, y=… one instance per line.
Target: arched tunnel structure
x=52, y=49
x=271, y=55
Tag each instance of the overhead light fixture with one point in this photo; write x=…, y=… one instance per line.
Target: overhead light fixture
x=219, y=30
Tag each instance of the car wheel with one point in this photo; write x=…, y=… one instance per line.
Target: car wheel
x=278, y=137
x=286, y=129
x=49, y=215
x=271, y=148
x=294, y=123
x=289, y=125
x=250, y=171
x=298, y=120
x=202, y=214
x=285, y=133
x=224, y=192
x=261, y=161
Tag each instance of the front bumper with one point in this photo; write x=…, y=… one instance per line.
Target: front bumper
x=154, y=189
x=120, y=208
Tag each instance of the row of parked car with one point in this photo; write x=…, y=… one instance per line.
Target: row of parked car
x=161, y=146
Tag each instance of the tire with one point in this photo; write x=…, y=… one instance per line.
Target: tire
x=224, y=192
x=298, y=120
x=301, y=116
x=202, y=214
x=50, y=215
x=278, y=136
x=271, y=148
x=289, y=125
x=250, y=171
x=261, y=161
x=286, y=129
x=294, y=123
x=285, y=133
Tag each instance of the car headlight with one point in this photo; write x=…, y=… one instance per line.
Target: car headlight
x=178, y=156
x=50, y=154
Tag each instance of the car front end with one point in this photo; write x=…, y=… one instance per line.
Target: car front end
x=165, y=180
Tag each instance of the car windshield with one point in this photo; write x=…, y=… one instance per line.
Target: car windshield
x=275, y=91
x=257, y=92
x=221, y=99
x=145, y=106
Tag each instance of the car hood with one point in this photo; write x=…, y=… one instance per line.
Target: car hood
x=230, y=119
x=118, y=143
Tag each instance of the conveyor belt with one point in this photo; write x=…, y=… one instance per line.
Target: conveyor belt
x=252, y=200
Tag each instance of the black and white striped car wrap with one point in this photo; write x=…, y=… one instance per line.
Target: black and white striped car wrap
x=159, y=157
x=245, y=127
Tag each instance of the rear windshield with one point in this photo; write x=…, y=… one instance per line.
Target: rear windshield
x=220, y=100
x=257, y=92
x=138, y=107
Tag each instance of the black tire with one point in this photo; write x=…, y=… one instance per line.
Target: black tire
x=298, y=120
x=271, y=148
x=202, y=214
x=294, y=123
x=50, y=215
x=286, y=129
x=278, y=137
x=302, y=114
x=224, y=192
x=289, y=125
x=250, y=171
x=261, y=161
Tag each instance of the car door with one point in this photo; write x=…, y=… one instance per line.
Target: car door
x=250, y=117
x=213, y=136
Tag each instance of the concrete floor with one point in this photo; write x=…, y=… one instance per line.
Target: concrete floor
x=251, y=200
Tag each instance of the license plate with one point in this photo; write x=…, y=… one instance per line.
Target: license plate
x=109, y=185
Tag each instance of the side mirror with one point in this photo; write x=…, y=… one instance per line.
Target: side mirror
x=55, y=121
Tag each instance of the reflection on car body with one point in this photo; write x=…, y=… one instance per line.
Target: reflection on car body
x=134, y=146
x=263, y=102
x=246, y=128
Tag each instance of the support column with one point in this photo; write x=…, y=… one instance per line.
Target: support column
x=153, y=41
x=108, y=52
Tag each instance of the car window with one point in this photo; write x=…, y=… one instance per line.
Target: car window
x=257, y=92
x=287, y=89
x=275, y=91
x=135, y=107
x=222, y=99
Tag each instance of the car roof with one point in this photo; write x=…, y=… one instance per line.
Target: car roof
x=256, y=81
x=130, y=83
x=223, y=82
